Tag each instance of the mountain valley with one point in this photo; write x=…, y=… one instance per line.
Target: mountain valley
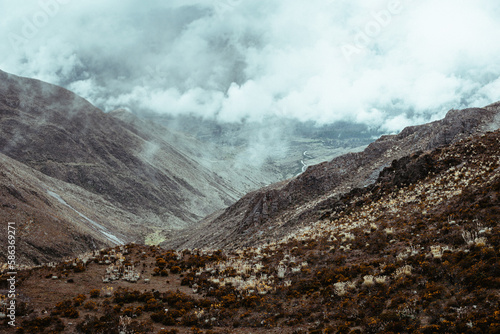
x=416, y=252
x=155, y=180
x=128, y=224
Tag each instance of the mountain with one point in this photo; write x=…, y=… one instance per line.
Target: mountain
x=401, y=237
x=271, y=212
x=157, y=178
x=417, y=251
x=54, y=219
x=54, y=131
x=164, y=180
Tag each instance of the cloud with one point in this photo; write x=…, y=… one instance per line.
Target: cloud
x=385, y=63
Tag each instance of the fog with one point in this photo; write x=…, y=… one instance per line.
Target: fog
x=384, y=63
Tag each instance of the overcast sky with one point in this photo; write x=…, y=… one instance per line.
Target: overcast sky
x=387, y=63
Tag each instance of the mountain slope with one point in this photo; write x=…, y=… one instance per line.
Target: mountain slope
x=137, y=166
x=54, y=219
x=275, y=210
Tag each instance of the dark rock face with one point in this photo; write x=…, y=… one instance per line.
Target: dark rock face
x=260, y=215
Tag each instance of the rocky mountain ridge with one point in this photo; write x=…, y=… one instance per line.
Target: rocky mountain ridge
x=271, y=212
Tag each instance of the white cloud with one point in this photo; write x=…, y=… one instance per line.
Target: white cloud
x=242, y=59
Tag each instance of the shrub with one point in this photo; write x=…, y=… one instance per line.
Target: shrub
x=165, y=318
x=78, y=300
x=106, y=324
x=129, y=311
x=95, y=293
x=175, y=270
x=79, y=268
x=71, y=313
x=117, y=308
x=126, y=296
x=161, y=263
x=41, y=324
x=66, y=310
x=90, y=305
x=153, y=305
x=189, y=320
x=172, y=331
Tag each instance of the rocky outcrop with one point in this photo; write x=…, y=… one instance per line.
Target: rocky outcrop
x=272, y=211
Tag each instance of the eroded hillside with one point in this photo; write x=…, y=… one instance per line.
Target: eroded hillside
x=54, y=219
